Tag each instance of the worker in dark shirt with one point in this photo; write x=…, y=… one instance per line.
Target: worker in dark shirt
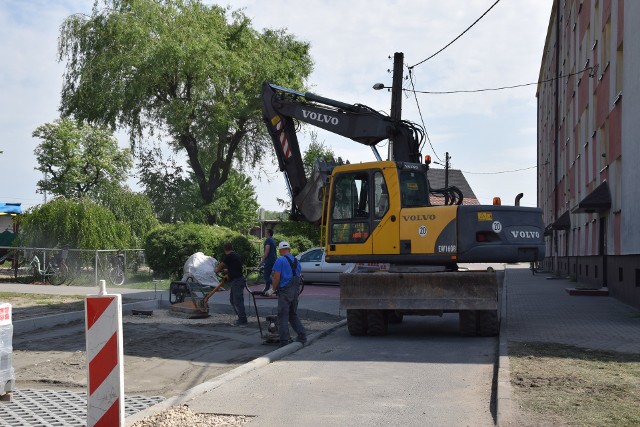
x=268, y=259
x=232, y=262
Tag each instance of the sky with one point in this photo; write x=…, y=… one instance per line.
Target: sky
x=487, y=134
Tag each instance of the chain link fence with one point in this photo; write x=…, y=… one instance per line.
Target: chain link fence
x=58, y=266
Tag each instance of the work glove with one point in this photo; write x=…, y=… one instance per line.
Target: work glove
x=269, y=293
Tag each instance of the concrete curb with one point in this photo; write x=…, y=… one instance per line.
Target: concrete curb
x=504, y=404
x=30, y=325
x=205, y=387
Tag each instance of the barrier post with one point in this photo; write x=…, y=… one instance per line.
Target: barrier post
x=105, y=360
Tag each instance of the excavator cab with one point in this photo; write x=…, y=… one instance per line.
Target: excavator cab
x=380, y=212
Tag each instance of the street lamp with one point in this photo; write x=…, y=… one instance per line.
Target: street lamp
x=379, y=86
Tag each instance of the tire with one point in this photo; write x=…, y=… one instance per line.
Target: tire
x=376, y=323
x=25, y=274
x=116, y=276
x=469, y=323
x=58, y=275
x=488, y=323
x=357, y=322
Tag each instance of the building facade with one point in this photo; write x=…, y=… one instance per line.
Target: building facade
x=588, y=144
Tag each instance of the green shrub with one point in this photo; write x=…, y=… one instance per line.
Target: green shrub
x=301, y=228
x=167, y=247
x=298, y=243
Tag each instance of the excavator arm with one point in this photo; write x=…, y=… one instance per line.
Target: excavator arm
x=283, y=107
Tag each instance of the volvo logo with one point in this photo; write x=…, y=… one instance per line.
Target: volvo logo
x=322, y=118
x=526, y=234
x=419, y=217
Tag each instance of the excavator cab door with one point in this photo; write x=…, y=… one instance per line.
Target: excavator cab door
x=350, y=213
x=361, y=209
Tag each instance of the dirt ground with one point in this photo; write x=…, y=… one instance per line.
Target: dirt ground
x=163, y=354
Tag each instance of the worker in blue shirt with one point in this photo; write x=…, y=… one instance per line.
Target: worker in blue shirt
x=286, y=280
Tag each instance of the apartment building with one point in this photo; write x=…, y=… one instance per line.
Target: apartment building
x=588, y=143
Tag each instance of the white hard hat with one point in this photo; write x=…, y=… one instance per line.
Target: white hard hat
x=284, y=245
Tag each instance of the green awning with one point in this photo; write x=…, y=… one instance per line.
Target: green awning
x=563, y=222
x=599, y=200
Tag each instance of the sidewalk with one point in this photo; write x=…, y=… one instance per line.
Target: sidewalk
x=23, y=288
x=540, y=309
x=537, y=308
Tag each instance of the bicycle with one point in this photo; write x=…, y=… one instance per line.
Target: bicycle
x=117, y=269
x=55, y=271
x=255, y=276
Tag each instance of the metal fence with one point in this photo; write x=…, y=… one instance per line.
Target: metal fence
x=67, y=266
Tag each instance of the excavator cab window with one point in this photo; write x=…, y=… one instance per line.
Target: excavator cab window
x=381, y=195
x=414, y=190
x=351, y=208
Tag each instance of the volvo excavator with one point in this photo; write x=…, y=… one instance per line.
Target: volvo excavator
x=381, y=212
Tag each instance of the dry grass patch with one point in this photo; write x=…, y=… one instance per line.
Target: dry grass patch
x=580, y=386
x=17, y=299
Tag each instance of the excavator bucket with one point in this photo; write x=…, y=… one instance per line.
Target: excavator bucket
x=310, y=199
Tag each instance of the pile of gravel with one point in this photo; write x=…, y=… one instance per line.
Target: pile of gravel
x=182, y=416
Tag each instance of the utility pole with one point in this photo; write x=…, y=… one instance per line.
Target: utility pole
x=396, y=95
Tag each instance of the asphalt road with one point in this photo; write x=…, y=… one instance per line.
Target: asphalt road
x=422, y=374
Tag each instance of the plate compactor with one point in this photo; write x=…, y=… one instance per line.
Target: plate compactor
x=190, y=298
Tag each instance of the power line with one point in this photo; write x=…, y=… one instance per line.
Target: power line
x=504, y=87
x=461, y=34
x=507, y=171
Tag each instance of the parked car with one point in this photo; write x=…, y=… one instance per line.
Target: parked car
x=316, y=270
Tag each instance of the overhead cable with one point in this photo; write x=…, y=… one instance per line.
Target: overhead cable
x=461, y=34
x=508, y=171
x=500, y=88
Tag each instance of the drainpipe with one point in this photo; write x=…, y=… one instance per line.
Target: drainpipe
x=557, y=137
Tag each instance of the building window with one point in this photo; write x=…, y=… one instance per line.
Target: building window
x=596, y=272
x=586, y=270
x=619, y=70
x=606, y=47
x=637, y=277
x=619, y=274
x=604, y=144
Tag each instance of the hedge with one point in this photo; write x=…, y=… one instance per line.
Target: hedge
x=167, y=247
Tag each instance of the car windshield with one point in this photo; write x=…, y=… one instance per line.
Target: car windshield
x=312, y=256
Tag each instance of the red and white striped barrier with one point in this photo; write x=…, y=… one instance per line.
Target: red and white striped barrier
x=105, y=361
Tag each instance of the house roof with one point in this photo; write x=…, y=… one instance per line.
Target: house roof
x=456, y=179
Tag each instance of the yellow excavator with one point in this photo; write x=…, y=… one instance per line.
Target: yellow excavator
x=381, y=212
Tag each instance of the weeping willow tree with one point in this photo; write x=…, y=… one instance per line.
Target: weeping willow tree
x=79, y=224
